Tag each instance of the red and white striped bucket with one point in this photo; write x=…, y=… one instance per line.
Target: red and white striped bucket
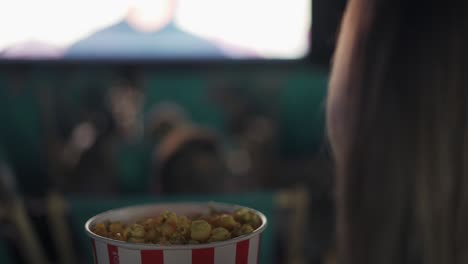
x=240, y=250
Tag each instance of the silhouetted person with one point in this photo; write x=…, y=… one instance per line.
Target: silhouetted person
x=397, y=121
x=147, y=31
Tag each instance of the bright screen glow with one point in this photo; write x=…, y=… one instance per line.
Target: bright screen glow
x=152, y=29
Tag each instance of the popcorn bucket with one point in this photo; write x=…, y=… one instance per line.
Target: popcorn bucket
x=240, y=250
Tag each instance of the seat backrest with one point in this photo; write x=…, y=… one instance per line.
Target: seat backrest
x=5, y=257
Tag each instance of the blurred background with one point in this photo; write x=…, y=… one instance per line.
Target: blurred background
x=80, y=138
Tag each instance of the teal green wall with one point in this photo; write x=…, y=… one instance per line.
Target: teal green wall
x=298, y=103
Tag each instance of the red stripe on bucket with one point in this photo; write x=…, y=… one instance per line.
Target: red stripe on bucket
x=203, y=256
x=94, y=251
x=113, y=254
x=242, y=252
x=152, y=257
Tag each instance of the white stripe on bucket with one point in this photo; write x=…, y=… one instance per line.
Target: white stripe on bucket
x=129, y=256
x=225, y=254
x=101, y=252
x=178, y=256
x=253, y=250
